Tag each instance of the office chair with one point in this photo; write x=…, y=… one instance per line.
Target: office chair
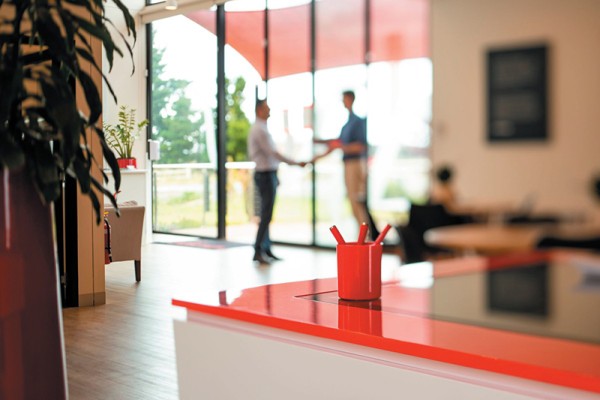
x=532, y=219
x=591, y=243
x=422, y=218
x=413, y=247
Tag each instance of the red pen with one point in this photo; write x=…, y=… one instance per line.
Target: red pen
x=362, y=233
x=337, y=235
x=382, y=234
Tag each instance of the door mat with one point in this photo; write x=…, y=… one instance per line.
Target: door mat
x=207, y=244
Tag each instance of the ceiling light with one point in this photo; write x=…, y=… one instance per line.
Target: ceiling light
x=171, y=5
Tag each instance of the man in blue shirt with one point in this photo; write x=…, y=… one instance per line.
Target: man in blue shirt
x=353, y=143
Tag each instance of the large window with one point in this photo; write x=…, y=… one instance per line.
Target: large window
x=301, y=55
x=243, y=83
x=290, y=98
x=398, y=126
x=183, y=107
x=332, y=205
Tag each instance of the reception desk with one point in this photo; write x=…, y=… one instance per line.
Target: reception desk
x=522, y=326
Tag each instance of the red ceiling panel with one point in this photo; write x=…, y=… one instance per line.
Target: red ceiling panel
x=399, y=30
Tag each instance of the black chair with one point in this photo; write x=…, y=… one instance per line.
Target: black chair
x=422, y=218
x=591, y=243
x=413, y=246
x=533, y=219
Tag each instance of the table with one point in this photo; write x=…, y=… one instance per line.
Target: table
x=485, y=238
x=499, y=238
x=484, y=212
x=440, y=330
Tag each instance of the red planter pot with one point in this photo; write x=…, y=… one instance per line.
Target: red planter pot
x=126, y=162
x=32, y=355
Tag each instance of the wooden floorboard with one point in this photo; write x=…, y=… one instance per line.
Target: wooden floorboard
x=125, y=349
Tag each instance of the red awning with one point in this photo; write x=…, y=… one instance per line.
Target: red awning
x=399, y=30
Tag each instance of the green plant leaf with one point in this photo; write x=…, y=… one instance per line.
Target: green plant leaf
x=44, y=27
x=96, y=204
x=127, y=45
x=129, y=21
x=11, y=155
x=44, y=171
x=110, y=158
x=106, y=192
x=81, y=169
x=97, y=30
x=44, y=128
x=86, y=55
x=92, y=97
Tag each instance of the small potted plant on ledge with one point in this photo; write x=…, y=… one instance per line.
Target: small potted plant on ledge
x=121, y=137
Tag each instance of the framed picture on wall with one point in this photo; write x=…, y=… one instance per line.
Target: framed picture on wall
x=517, y=94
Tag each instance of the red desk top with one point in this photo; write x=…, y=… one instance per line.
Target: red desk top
x=555, y=340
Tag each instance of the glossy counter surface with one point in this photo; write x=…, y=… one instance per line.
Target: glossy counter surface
x=534, y=316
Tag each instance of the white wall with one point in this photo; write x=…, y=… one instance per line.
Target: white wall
x=558, y=171
x=129, y=89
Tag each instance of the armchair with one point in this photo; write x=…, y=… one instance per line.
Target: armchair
x=126, y=235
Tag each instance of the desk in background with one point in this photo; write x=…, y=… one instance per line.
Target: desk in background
x=493, y=239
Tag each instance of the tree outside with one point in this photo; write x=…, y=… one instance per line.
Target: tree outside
x=180, y=132
x=239, y=187
x=238, y=125
x=187, y=201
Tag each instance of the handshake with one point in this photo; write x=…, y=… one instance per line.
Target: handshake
x=305, y=163
x=332, y=144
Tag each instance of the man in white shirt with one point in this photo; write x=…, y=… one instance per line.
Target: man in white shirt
x=261, y=150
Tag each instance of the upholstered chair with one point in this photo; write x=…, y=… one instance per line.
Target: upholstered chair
x=126, y=235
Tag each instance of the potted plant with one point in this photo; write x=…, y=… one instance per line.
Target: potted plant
x=121, y=137
x=45, y=48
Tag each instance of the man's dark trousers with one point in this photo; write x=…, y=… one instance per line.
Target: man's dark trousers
x=266, y=182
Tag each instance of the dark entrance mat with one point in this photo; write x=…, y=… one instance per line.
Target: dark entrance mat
x=206, y=244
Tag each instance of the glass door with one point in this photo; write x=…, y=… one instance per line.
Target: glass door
x=301, y=55
x=244, y=81
x=339, y=58
x=184, y=101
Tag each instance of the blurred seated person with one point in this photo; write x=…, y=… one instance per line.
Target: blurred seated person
x=442, y=191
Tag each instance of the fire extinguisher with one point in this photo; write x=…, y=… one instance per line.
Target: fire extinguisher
x=107, y=250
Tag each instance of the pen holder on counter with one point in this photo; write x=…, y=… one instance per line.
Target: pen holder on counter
x=359, y=270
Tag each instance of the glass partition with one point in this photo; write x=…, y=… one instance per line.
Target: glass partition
x=340, y=33
x=243, y=82
x=183, y=102
x=340, y=56
x=399, y=134
x=332, y=205
x=268, y=52
x=290, y=98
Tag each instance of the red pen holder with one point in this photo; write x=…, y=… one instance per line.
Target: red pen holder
x=359, y=271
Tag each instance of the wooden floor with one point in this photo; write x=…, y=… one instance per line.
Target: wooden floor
x=125, y=349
